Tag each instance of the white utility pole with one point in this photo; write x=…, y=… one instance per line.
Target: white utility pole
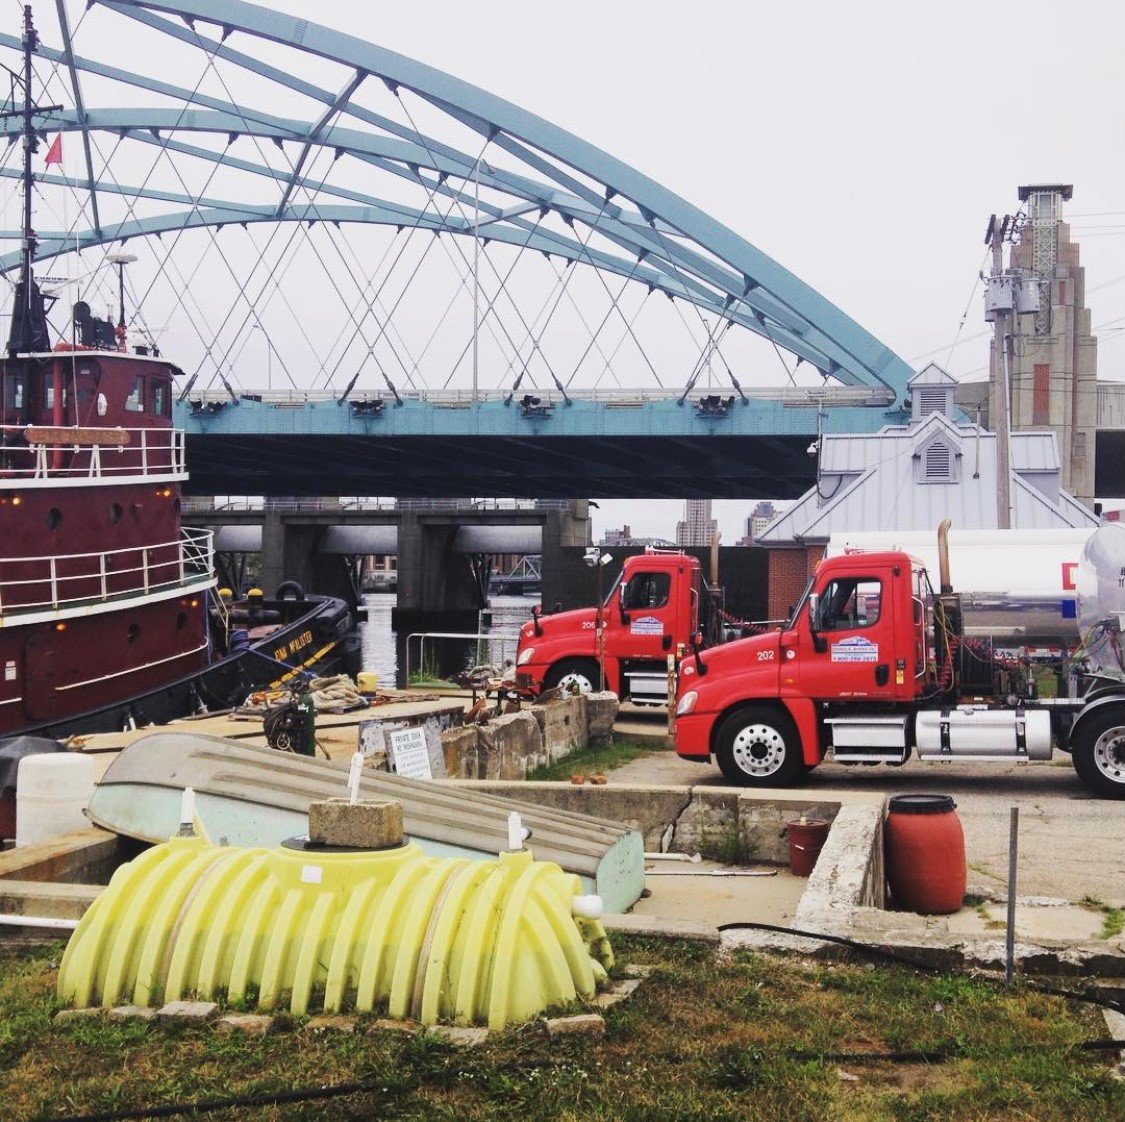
x=1001, y=333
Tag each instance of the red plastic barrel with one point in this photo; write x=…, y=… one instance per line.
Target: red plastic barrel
x=925, y=854
x=806, y=839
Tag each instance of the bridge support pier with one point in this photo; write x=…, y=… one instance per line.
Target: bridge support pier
x=436, y=592
x=290, y=553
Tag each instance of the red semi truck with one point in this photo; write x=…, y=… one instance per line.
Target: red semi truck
x=873, y=664
x=657, y=607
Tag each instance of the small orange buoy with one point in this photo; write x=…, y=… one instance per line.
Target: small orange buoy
x=577, y=779
x=598, y=780
x=925, y=854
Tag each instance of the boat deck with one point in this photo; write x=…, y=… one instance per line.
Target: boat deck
x=337, y=734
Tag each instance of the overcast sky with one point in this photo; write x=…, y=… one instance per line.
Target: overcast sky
x=862, y=145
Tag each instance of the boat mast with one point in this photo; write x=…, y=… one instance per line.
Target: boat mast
x=29, y=316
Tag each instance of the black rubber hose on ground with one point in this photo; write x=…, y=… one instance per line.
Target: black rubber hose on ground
x=875, y=951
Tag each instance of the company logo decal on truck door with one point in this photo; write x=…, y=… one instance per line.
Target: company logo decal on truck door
x=855, y=649
x=646, y=625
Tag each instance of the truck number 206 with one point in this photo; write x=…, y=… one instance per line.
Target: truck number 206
x=766, y=656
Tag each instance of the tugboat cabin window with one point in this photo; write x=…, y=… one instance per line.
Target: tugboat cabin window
x=16, y=392
x=135, y=402
x=49, y=394
x=159, y=399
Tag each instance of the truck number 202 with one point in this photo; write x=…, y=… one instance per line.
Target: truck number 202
x=766, y=656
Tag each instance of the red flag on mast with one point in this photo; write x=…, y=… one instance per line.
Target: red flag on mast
x=54, y=153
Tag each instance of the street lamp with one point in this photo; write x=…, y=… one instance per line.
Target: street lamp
x=596, y=560
x=121, y=260
x=269, y=354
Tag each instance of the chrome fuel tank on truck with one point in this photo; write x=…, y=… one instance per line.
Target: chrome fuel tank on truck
x=1017, y=587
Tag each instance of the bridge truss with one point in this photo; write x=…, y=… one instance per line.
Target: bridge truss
x=315, y=214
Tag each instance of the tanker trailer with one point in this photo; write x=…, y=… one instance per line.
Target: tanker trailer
x=1018, y=588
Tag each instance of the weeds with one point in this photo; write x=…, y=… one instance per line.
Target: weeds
x=590, y=761
x=1113, y=919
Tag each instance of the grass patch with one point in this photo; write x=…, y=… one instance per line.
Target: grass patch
x=424, y=681
x=1113, y=919
x=707, y=1036
x=589, y=761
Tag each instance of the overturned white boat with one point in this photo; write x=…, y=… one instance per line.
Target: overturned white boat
x=248, y=796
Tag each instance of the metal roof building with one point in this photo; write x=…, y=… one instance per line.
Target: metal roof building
x=910, y=477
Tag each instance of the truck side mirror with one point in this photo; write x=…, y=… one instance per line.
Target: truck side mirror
x=819, y=645
x=536, y=609
x=621, y=605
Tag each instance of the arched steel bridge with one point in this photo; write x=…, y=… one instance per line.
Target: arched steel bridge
x=215, y=115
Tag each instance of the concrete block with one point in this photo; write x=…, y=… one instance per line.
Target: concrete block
x=601, y=712
x=70, y=1016
x=508, y=745
x=582, y=1024
x=625, y=987
x=608, y=1000
x=618, y=992
x=849, y=871
x=459, y=747
x=637, y=970
x=187, y=1013
x=132, y=1013
x=403, y=1028
x=459, y=1036
x=563, y=725
x=371, y=824
x=345, y=1025
x=248, y=1024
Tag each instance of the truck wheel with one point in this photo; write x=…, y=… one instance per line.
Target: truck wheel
x=1099, y=753
x=759, y=747
x=573, y=675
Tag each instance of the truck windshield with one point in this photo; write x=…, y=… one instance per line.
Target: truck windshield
x=800, y=604
x=613, y=590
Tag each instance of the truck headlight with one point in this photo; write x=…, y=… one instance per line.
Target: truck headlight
x=687, y=703
x=525, y=656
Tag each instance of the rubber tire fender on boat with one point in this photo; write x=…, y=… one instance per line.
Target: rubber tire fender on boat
x=290, y=590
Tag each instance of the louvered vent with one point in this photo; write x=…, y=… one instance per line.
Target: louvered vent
x=938, y=463
x=932, y=399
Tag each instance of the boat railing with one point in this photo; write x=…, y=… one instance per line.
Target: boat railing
x=70, y=580
x=89, y=452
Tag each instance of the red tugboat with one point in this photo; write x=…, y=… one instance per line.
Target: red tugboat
x=106, y=601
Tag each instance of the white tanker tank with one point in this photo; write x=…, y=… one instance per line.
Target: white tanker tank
x=1017, y=587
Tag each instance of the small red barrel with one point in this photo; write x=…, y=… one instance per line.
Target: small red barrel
x=806, y=839
x=925, y=854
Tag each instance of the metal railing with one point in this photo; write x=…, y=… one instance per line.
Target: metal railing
x=148, y=452
x=69, y=580
x=622, y=397
x=254, y=504
x=507, y=641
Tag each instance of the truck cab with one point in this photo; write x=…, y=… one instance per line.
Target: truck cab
x=652, y=611
x=763, y=707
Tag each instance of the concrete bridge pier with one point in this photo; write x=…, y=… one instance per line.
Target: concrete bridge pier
x=437, y=591
x=291, y=552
